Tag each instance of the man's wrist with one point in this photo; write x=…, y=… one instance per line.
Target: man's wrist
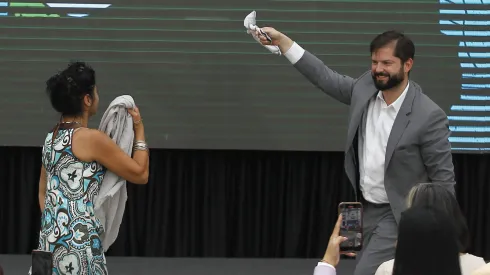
x=294, y=53
x=285, y=43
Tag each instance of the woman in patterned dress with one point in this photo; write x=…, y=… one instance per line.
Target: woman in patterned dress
x=74, y=161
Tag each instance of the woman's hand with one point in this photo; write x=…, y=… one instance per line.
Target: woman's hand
x=135, y=113
x=332, y=254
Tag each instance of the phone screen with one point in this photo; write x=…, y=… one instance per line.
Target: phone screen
x=351, y=226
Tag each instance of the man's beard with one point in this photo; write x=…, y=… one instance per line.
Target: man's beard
x=393, y=80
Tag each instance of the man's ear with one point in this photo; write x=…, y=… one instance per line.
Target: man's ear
x=407, y=66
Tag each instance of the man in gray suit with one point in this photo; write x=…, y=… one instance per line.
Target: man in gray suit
x=397, y=136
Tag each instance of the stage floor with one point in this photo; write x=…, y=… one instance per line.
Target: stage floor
x=19, y=264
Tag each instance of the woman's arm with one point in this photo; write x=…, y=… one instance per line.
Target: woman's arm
x=106, y=152
x=42, y=188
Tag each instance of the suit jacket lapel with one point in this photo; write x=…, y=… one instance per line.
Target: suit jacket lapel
x=359, y=115
x=401, y=122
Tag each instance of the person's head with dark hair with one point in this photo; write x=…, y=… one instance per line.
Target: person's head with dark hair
x=392, y=55
x=73, y=91
x=427, y=243
x=437, y=196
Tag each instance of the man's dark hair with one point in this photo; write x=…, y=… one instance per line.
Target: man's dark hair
x=404, y=47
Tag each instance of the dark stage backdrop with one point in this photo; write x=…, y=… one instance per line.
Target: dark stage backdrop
x=227, y=203
x=203, y=83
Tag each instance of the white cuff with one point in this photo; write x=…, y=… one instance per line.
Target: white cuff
x=294, y=53
x=325, y=264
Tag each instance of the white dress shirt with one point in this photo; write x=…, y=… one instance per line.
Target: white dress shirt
x=375, y=134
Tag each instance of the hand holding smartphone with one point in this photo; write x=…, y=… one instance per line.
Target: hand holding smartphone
x=265, y=35
x=351, y=226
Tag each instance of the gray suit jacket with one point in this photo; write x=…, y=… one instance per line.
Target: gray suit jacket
x=418, y=148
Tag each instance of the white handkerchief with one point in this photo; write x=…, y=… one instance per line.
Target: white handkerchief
x=250, y=24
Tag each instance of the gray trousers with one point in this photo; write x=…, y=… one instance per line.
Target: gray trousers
x=380, y=234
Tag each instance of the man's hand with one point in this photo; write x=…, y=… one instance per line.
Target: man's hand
x=278, y=38
x=332, y=254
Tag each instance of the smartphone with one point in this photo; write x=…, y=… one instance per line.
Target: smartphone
x=265, y=35
x=351, y=226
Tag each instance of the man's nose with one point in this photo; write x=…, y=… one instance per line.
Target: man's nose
x=379, y=68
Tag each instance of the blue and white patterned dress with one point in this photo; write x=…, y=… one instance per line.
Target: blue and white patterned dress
x=69, y=228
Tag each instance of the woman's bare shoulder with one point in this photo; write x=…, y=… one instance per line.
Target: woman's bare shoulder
x=85, y=143
x=89, y=134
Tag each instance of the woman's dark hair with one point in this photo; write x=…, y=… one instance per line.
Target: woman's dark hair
x=435, y=195
x=67, y=89
x=427, y=243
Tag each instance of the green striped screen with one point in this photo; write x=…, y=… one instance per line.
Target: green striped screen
x=198, y=78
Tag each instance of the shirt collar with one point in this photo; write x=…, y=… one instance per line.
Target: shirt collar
x=399, y=101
